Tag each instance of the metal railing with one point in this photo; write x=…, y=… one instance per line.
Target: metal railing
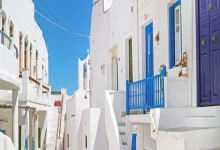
x=7, y=41
x=145, y=94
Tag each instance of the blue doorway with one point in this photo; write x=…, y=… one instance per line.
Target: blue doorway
x=149, y=50
x=134, y=140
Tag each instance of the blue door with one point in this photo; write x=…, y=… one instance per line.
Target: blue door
x=133, y=147
x=209, y=52
x=149, y=50
x=149, y=65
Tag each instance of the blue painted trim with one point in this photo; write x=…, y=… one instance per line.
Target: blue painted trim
x=172, y=33
x=26, y=144
x=127, y=98
x=134, y=141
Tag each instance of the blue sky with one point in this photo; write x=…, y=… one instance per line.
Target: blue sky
x=64, y=53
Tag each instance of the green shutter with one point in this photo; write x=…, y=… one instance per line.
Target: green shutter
x=130, y=61
x=19, y=136
x=39, y=137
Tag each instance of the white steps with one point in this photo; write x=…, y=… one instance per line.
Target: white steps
x=192, y=139
x=122, y=133
x=52, y=128
x=203, y=117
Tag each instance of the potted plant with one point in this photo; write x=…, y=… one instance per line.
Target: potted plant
x=161, y=80
x=183, y=64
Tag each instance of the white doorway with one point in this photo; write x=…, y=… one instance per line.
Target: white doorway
x=114, y=69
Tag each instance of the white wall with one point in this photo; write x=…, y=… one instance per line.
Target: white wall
x=24, y=22
x=157, y=12
x=93, y=125
x=70, y=124
x=107, y=30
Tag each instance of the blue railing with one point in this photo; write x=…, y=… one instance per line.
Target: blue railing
x=146, y=94
x=6, y=40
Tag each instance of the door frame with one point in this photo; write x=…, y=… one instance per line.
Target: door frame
x=113, y=53
x=151, y=51
x=198, y=55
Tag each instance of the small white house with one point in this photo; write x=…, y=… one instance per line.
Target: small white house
x=155, y=59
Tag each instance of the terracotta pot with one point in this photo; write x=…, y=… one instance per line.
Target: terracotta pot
x=184, y=71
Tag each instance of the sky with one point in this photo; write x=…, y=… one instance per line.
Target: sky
x=63, y=51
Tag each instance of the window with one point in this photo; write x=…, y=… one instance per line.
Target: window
x=85, y=141
x=11, y=29
x=20, y=53
x=36, y=64
x=85, y=76
x=130, y=60
x=175, y=33
x=30, y=60
x=39, y=137
x=25, y=54
x=19, y=137
x=68, y=138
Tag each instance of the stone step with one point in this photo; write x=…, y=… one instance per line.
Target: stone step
x=204, y=111
x=208, y=121
x=193, y=138
x=134, y=112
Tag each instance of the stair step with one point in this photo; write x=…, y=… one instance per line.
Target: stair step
x=202, y=122
x=121, y=124
x=134, y=112
x=211, y=149
x=203, y=111
x=194, y=138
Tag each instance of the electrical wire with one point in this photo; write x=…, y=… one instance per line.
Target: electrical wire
x=56, y=24
x=66, y=38
x=51, y=13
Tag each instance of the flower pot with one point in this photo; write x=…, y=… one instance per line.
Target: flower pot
x=184, y=71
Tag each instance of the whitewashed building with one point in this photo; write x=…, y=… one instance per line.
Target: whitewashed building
x=25, y=95
x=144, y=42
x=85, y=125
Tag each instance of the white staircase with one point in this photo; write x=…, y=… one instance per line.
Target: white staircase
x=52, y=128
x=201, y=132
x=122, y=133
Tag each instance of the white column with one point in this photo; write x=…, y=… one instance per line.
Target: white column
x=30, y=129
x=36, y=117
x=27, y=127
x=15, y=117
x=129, y=128
x=40, y=88
x=23, y=128
x=25, y=83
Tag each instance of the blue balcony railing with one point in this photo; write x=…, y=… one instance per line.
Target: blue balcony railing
x=146, y=94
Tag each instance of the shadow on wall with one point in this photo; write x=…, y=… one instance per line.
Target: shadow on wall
x=101, y=141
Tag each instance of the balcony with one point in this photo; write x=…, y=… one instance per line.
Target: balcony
x=146, y=94
x=8, y=63
x=33, y=90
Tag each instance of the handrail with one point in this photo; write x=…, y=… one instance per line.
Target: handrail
x=10, y=42
x=36, y=82
x=146, y=94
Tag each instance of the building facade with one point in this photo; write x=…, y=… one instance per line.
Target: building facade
x=25, y=100
x=155, y=60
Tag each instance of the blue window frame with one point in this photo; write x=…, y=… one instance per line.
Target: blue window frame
x=175, y=29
